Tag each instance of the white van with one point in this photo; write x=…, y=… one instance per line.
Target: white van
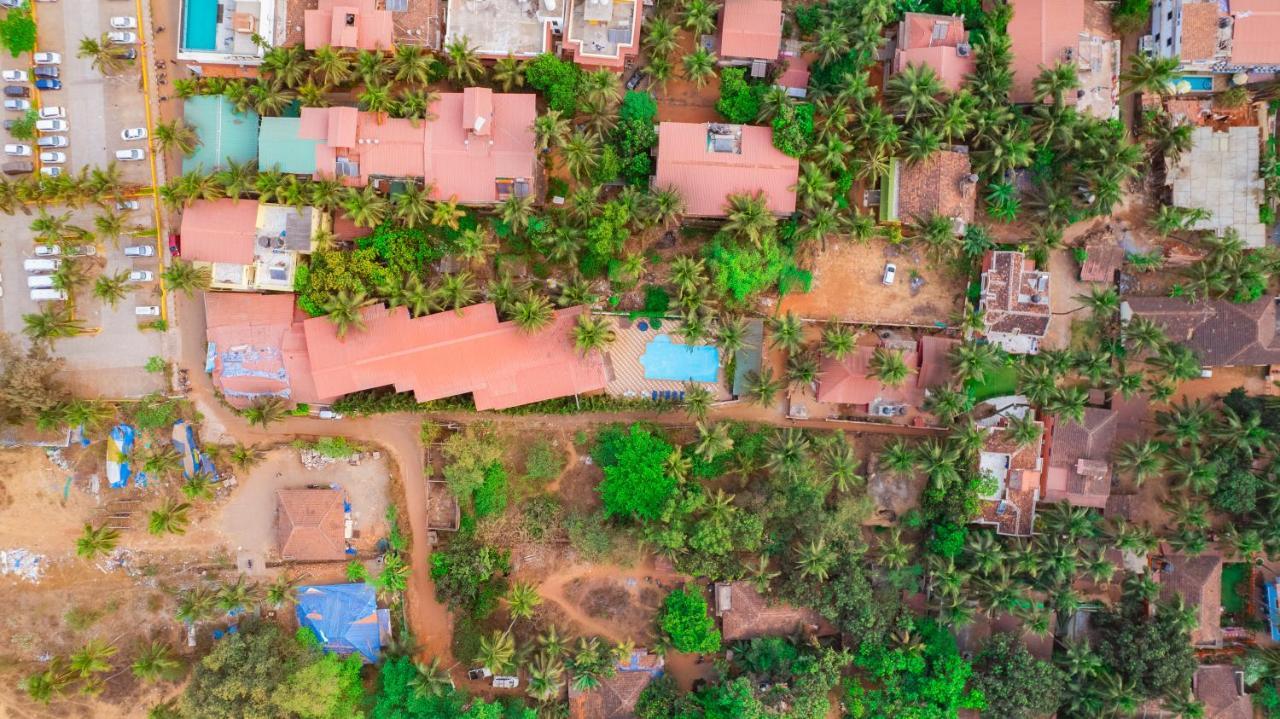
x=39, y=282
x=41, y=265
x=44, y=295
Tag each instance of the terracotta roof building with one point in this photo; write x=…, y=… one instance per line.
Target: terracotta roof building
x=1044, y=33
x=219, y=231
x=479, y=149
x=849, y=381
x=616, y=696
x=1015, y=302
x=1220, y=332
x=311, y=525
x=1198, y=580
x=351, y=24
x=745, y=614
x=248, y=245
x=1101, y=262
x=750, y=30
x=1220, y=688
x=1015, y=470
x=1080, y=459
x=707, y=162
x=1217, y=36
x=257, y=348
x=453, y=353
x=942, y=184
x=939, y=41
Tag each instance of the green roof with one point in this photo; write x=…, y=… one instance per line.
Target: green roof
x=280, y=148
x=224, y=133
x=889, y=192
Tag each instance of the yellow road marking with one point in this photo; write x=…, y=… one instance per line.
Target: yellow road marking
x=35, y=91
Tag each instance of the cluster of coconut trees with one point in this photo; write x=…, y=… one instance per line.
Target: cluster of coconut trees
x=101, y=186
x=92, y=666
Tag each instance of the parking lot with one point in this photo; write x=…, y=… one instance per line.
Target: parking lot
x=96, y=108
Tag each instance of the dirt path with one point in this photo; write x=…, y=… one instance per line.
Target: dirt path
x=553, y=588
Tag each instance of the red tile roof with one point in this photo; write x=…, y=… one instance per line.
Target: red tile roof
x=705, y=178
x=938, y=184
x=1257, y=26
x=349, y=23
x=448, y=151
x=1041, y=31
x=848, y=381
x=310, y=525
x=1079, y=459
x=1199, y=30
x=751, y=29
x=259, y=347
x=453, y=353
x=220, y=231
x=917, y=46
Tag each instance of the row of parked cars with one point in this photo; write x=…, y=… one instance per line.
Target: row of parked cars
x=41, y=268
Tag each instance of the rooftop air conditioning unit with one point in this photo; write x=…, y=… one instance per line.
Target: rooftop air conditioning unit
x=963, y=49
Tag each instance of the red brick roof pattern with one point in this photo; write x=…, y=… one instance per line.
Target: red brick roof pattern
x=268, y=331
x=615, y=698
x=1006, y=275
x=1199, y=31
x=938, y=184
x=453, y=353
x=1253, y=39
x=751, y=615
x=310, y=525
x=1219, y=688
x=848, y=381
x=705, y=178
x=917, y=31
x=1074, y=444
x=1101, y=263
x=935, y=361
x=370, y=29
x=1198, y=580
x=1221, y=333
x=751, y=29
x=1040, y=32
x=220, y=231
x=951, y=67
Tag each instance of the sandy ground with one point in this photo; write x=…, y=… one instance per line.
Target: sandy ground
x=1064, y=289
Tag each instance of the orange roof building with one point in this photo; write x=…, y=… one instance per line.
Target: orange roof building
x=750, y=30
x=1044, y=33
x=1015, y=470
x=219, y=231
x=453, y=353
x=939, y=41
x=257, y=348
x=1215, y=36
x=311, y=525
x=848, y=381
x=707, y=162
x=352, y=24
x=479, y=149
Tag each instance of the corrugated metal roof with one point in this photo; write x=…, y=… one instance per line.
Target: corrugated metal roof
x=350, y=24
x=705, y=178
x=1040, y=32
x=751, y=29
x=219, y=231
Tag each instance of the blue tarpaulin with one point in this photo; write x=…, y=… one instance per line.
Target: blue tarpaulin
x=1273, y=611
x=121, y=444
x=345, y=618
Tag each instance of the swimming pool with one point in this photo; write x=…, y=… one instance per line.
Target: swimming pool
x=1197, y=83
x=200, y=25
x=666, y=360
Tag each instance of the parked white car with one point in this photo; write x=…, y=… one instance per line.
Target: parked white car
x=14, y=76
x=147, y=311
x=134, y=133
x=127, y=205
x=47, y=295
x=47, y=58
x=121, y=37
x=124, y=22
x=53, y=113
x=53, y=158
x=52, y=141
x=17, y=150
x=52, y=125
x=129, y=155
x=51, y=171
x=48, y=250
x=39, y=282
x=139, y=251
x=141, y=276
x=41, y=265
x=890, y=271
x=19, y=105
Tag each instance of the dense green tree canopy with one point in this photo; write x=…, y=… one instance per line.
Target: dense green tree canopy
x=636, y=483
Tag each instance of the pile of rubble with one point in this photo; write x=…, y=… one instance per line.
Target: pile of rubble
x=21, y=563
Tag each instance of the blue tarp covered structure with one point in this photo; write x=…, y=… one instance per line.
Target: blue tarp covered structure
x=1273, y=610
x=121, y=444
x=345, y=618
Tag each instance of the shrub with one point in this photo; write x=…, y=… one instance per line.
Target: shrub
x=589, y=536
x=543, y=462
x=24, y=128
x=793, y=129
x=155, y=363
x=335, y=447
x=684, y=619
x=18, y=31
x=557, y=80
x=739, y=100
x=635, y=480
x=490, y=498
x=638, y=106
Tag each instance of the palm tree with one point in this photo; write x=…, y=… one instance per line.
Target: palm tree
x=898, y=457
x=1025, y=430
x=581, y=154
x=688, y=274
x=176, y=135
x=446, y=213
x=1139, y=459
x=366, y=207
x=92, y=658
x=290, y=65
x=344, y=310
x=786, y=332
x=1103, y=302
x=51, y=324
x=457, y=290
x=496, y=651
x=111, y=288
x=552, y=644
x=161, y=461
x=508, y=73
x=889, y=367
x=101, y=54
x=602, y=86
x=431, y=680
x=86, y=413
x=240, y=594
x=413, y=65
x=1149, y=73
x=749, y=217
x=763, y=387
x=331, y=67
x=533, y=313
x=96, y=542
x=831, y=43
x=700, y=16
x=475, y=245
x=265, y=411
x=546, y=677
x=697, y=401
x=914, y=91
x=464, y=63
x=280, y=591
x=1069, y=403
x=516, y=212
x=699, y=65
x=187, y=277
x=197, y=604
x=522, y=599
x=1053, y=83
x=155, y=662
x=591, y=333
x=199, y=486
x=550, y=130
x=661, y=37
x=377, y=100
x=713, y=440
x=815, y=560
x=170, y=518
x=837, y=340
x=412, y=205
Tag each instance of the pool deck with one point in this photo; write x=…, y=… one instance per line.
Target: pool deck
x=625, y=373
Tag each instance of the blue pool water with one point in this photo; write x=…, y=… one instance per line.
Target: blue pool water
x=1198, y=83
x=666, y=360
x=200, y=25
